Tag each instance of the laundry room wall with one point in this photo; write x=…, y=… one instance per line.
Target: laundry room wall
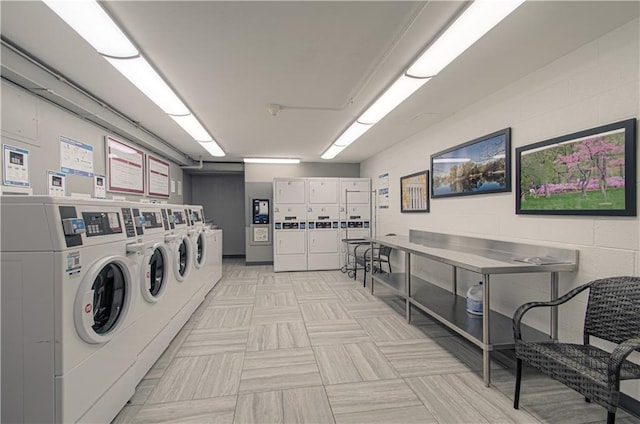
x=34, y=124
x=259, y=185
x=222, y=197
x=596, y=84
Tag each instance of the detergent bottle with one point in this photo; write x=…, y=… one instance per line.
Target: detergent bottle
x=474, y=299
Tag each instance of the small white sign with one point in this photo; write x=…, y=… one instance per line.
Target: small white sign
x=56, y=182
x=260, y=234
x=99, y=186
x=15, y=166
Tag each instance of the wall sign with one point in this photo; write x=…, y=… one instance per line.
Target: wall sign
x=15, y=166
x=99, y=186
x=125, y=167
x=56, y=182
x=158, y=177
x=75, y=157
x=383, y=191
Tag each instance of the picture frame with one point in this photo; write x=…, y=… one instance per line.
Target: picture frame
x=590, y=172
x=414, y=192
x=480, y=166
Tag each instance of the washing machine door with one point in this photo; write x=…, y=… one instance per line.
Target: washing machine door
x=154, y=272
x=200, y=249
x=103, y=300
x=183, y=257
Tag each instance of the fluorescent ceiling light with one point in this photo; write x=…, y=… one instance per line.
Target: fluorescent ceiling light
x=213, y=148
x=332, y=151
x=478, y=19
x=191, y=125
x=143, y=76
x=270, y=160
x=93, y=24
x=352, y=133
x=400, y=90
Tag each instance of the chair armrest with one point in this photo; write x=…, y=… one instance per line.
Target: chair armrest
x=358, y=246
x=618, y=357
x=517, y=316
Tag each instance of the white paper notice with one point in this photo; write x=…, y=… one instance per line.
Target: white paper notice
x=75, y=157
x=99, y=186
x=15, y=166
x=158, y=177
x=126, y=167
x=179, y=188
x=173, y=186
x=383, y=191
x=56, y=183
x=260, y=234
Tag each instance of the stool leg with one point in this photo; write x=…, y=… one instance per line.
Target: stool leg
x=611, y=417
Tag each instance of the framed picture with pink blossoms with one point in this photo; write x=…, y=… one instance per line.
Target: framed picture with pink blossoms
x=591, y=172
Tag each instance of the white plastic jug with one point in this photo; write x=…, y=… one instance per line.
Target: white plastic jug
x=474, y=299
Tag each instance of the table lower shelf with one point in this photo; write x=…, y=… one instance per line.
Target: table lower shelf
x=451, y=311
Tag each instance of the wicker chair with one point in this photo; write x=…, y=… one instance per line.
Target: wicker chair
x=613, y=314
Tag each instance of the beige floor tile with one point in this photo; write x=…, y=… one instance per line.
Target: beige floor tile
x=370, y=396
x=127, y=415
x=206, y=411
x=269, y=279
x=306, y=405
x=406, y=415
x=421, y=357
x=347, y=296
x=225, y=317
x=335, y=364
x=371, y=364
x=323, y=311
x=236, y=291
x=336, y=332
x=276, y=314
x=278, y=335
x=438, y=397
x=209, y=342
x=259, y=408
x=389, y=328
x=279, y=369
x=466, y=352
x=180, y=380
x=143, y=390
x=369, y=309
x=221, y=376
x=275, y=298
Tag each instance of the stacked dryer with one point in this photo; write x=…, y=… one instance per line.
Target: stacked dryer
x=68, y=299
x=289, y=225
x=355, y=213
x=323, y=219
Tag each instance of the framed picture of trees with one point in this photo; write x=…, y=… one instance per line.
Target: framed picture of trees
x=591, y=172
x=479, y=166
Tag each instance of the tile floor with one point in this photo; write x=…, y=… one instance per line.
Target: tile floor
x=315, y=347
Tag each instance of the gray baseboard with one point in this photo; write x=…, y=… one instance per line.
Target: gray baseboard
x=630, y=404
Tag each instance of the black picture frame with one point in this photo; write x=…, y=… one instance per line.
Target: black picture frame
x=590, y=172
x=414, y=192
x=480, y=166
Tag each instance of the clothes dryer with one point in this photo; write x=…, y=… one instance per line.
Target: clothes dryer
x=199, y=241
x=68, y=292
x=183, y=257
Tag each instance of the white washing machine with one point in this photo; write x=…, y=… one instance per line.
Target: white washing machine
x=153, y=312
x=213, y=264
x=182, y=256
x=289, y=238
x=68, y=292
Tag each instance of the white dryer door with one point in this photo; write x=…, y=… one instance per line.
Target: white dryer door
x=323, y=241
x=183, y=260
x=154, y=273
x=103, y=299
x=290, y=242
x=200, y=249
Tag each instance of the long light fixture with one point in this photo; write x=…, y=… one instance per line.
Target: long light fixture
x=476, y=20
x=271, y=160
x=93, y=24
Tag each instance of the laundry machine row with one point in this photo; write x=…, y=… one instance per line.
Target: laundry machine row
x=93, y=291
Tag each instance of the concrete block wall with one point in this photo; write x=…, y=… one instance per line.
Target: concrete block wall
x=596, y=84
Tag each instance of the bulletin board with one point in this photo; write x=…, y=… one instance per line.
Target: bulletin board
x=125, y=167
x=158, y=177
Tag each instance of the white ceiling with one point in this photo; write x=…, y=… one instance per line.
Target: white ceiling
x=323, y=61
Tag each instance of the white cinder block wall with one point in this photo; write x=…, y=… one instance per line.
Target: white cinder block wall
x=598, y=83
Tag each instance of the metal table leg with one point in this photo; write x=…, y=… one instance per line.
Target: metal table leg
x=554, y=309
x=486, y=336
x=407, y=282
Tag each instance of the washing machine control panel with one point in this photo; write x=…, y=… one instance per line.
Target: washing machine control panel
x=101, y=223
x=129, y=225
x=73, y=226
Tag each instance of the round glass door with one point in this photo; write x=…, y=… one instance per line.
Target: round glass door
x=200, y=247
x=156, y=272
x=183, y=257
x=109, y=295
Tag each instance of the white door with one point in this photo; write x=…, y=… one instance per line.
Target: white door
x=323, y=191
x=290, y=242
x=323, y=241
x=289, y=191
x=359, y=191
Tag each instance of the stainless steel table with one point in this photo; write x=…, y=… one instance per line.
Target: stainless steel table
x=492, y=330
